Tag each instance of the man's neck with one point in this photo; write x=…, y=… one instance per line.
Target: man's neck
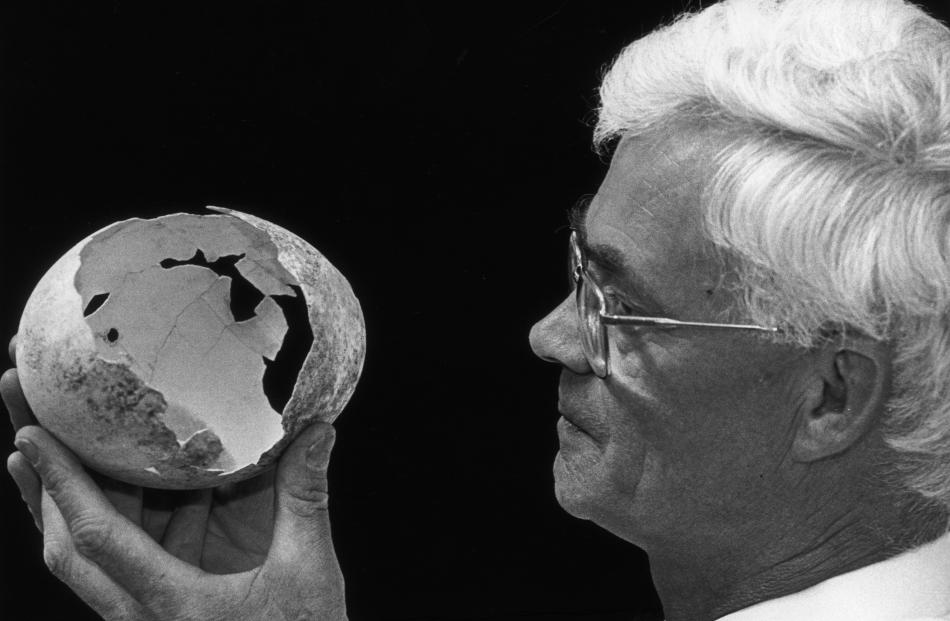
x=713, y=589
x=701, y=587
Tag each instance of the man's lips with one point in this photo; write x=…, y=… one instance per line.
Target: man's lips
x=573, y=419
x=579, y=422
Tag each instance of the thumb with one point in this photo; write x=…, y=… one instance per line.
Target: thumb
x=302, y=520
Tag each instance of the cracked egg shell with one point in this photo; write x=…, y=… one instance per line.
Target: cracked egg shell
x=147, y=347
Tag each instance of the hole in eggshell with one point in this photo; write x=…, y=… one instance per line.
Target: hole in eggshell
x=112, y=335
x=280, y=374
x=97, y=300
x=244, y=297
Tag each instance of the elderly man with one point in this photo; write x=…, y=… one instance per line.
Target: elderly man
x=754, y=386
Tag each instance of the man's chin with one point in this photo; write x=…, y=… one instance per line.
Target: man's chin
x=573, y=487
x=587, y=486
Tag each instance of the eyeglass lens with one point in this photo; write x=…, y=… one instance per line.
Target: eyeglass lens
x=592, y=332
x=589, y=305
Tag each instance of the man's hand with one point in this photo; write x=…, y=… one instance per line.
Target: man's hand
x=260, y=549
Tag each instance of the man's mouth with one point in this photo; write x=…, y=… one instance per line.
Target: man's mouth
x=573, y=423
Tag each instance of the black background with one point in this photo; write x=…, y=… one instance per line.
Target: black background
x=430, y=150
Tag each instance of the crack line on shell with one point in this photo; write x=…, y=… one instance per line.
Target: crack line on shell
x=225, y=321
x=227, y=328
x=122, y=283
x=158, y=352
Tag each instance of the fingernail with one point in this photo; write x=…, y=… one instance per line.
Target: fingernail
x=318, y=455
x=28, y=449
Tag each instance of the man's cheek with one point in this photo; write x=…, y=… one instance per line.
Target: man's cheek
x=625, y=460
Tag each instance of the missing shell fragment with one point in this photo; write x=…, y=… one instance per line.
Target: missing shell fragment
x=187, y=351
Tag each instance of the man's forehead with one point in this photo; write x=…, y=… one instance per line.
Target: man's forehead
x=656, y=180
x=648, y=209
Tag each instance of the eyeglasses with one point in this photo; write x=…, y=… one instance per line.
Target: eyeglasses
x=594, y=318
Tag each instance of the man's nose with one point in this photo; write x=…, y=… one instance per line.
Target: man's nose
x=556, y=339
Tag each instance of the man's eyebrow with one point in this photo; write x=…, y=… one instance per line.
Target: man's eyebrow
x=611, y=260
x=606, y=258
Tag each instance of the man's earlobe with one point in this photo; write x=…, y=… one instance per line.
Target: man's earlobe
x=855, y=386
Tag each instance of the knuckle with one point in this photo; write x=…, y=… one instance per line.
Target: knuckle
x=306, y=502
x=54, y=479
x=56, y=558
x=91, y=536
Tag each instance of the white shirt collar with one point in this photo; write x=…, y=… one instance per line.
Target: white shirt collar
x=914, y=585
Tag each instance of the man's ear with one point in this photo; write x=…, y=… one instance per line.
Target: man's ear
x=850, y=386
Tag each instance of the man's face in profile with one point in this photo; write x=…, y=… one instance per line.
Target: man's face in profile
x=689, y=436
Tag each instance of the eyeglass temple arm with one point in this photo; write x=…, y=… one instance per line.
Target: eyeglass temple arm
x=673, y=323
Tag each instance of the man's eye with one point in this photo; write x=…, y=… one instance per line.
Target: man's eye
x=618, y=305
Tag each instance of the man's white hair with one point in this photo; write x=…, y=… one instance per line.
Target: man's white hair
x=835, y=194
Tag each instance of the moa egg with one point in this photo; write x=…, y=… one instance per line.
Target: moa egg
x=187, y=351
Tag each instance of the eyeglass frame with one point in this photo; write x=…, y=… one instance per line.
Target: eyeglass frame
x=608, y=319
